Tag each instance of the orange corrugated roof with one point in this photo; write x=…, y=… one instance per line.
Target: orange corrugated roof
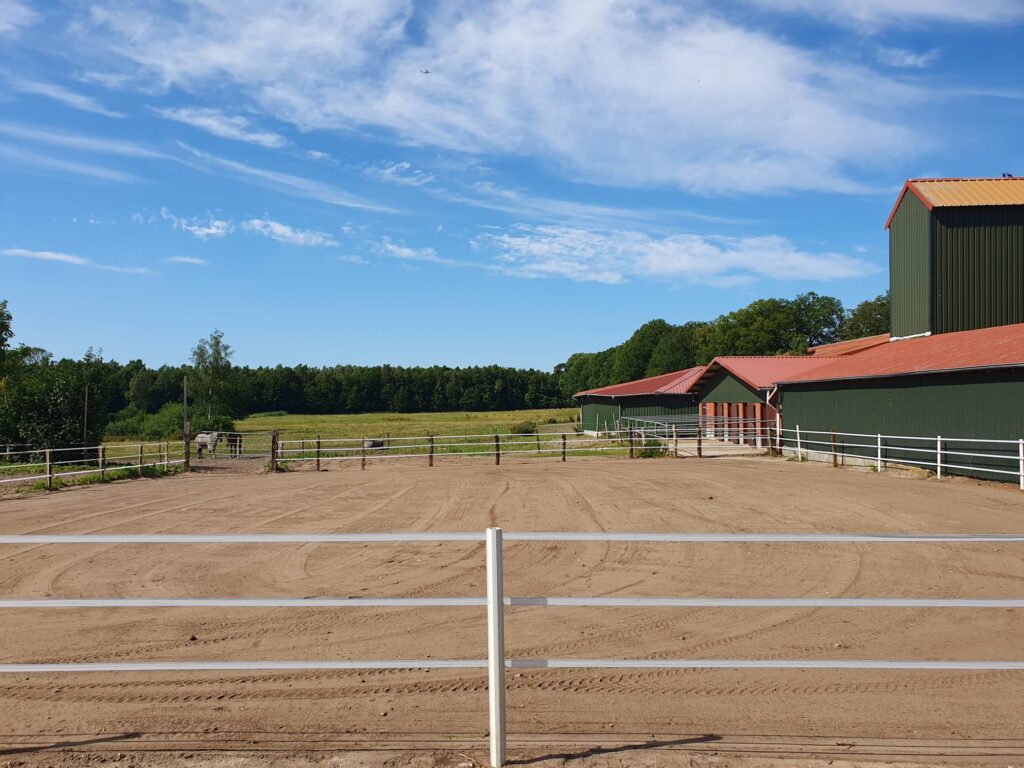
x=759, y=371
x=676, y=383
x=946, y=193
x=848, y=347
x=984, y=348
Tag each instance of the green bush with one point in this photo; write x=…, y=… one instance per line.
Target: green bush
x=523, y=428
x=135, y=424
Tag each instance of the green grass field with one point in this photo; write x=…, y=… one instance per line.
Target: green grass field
x=408, y=424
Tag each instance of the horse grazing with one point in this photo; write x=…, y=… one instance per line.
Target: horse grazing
x=234, y=444
x=208, y=441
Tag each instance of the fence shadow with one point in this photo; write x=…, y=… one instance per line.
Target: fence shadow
x=597, y=751
x=67, y=744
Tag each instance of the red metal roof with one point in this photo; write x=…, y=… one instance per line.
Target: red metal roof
x=848, y=347
x=983, y=348
x=676, y=383
x=760, y=371
x=944, y=193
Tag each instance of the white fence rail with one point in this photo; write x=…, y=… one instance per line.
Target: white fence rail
x=52, y=464
x=495, y=603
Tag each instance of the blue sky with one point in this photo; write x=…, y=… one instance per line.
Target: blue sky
x=565, y=172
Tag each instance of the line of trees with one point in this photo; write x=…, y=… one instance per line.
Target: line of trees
x=66, y=402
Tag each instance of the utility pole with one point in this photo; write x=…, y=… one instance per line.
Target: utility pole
x=85, y=419
x=185, y=427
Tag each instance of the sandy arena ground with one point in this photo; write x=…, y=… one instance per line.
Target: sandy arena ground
x=602, y=717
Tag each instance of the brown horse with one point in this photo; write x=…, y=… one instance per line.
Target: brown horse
x=234, y=444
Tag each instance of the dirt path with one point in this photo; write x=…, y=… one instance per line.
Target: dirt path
x=609, y=717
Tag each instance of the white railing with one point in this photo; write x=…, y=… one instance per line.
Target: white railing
x=495, y=603
x=50, y=464
x=431, y=447
x=952, y=455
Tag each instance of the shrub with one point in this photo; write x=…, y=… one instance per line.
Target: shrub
x=523, y=428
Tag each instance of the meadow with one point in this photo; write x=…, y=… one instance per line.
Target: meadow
x=407, y=424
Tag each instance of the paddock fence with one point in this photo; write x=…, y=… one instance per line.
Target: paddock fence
x=495, y=602
x=102, y=462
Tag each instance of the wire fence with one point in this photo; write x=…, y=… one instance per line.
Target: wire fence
x=495, y=602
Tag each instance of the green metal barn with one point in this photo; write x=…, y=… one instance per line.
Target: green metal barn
x=950, y=392
x=603, y=409
x=956, y=255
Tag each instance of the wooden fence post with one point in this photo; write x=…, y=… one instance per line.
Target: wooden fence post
x=362, y=461
x=675, y=441
x=835, y=458
x=187, y=450
x=700, y=450
x=142, y=457
x=318, y=453
x=430, y=459
x=102, y=461
x=631, y=454
x=537, y=435
x=273, y=451
x=563, y=446
x=49, y=471
x=497, y=450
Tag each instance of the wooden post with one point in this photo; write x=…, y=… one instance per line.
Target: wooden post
x=142, y=458
x=675, y=441
x=742, y=413
x=273, y=451
x=563, y=446
x=497, y=450
x=362, y=461
x=799, y=453
x=631, y=455
x=835, y=457
x=430, y=460
x=700, y=451
x=537, y=435
x=758, y=424
x=318, y=453
x=103, y=462
x=878, y=465
x=49, y=471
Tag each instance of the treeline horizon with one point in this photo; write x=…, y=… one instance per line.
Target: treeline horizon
x=49, y=402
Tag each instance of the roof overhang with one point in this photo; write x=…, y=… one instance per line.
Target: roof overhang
x=903, y=374
x=908, y=185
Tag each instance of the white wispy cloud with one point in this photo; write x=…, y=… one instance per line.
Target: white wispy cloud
x=875, y=13
x=353, y=259
x=407, y=254
x=226, y=126
x=286, y=182
x=15, y=16
x=619, y=256
x=288, y=235
x=187, y=260
x=67, y=258
x=402, y=174
x=649, y=93
x=201, y=228
x=77, y=141
x=900, y=57
x=59, y=93
x=30, y=159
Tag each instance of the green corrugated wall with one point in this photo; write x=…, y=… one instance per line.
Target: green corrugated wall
x=910, y=271
x=966, y=404
x=598, y=411
x=652, y=406
x=979, y=267
x=726, y=388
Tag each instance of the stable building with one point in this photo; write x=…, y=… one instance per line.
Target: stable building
x=668, y=395
x=956, y=256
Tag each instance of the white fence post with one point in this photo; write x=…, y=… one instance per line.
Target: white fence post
x=938, y=456
x=1020, y=466
x=496, y=647
x=878, y=464
x=799, y=453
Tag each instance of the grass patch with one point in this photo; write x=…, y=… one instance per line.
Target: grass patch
x=39, y=486
x=293, y=426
